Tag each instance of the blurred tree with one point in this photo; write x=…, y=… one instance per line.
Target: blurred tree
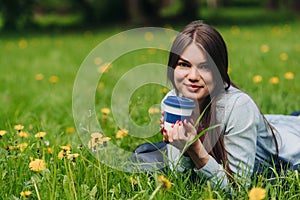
x=144, y=12
x=86, y=9
x=296, y=5
x=104, y=11
x=17, y=14
x=150, y=11
x=272, y=4
x=190, y=9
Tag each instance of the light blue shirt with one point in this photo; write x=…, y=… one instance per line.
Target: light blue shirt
x=248, y=140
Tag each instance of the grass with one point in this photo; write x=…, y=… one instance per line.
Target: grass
x=37, y=76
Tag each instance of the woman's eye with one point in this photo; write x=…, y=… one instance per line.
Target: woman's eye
x=203, y=66
x=182, y=64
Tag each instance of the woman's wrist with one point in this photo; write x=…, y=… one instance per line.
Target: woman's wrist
x=198, y=154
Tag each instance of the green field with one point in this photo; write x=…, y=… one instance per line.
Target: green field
x=37, y=73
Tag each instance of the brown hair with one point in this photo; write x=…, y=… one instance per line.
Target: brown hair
x=210, y=40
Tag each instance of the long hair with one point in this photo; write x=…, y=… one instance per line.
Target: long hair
x=211, y=42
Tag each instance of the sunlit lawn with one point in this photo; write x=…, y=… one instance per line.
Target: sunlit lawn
x=37, y=72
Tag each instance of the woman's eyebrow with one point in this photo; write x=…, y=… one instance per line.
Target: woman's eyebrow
x=181, y=59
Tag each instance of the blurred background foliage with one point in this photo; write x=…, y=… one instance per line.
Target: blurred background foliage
x=37, y=14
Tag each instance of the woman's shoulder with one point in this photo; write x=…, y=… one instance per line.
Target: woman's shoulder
x=234, y=95
x=237, y=109
x=236, y=100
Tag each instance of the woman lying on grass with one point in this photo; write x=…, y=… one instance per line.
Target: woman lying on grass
x=246, y=142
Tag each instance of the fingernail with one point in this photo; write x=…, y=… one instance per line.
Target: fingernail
x=164, y=130
x=172, y=126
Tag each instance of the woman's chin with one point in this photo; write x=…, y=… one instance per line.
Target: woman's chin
x=192, y=96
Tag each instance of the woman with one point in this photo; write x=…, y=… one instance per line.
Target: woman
x=245, y=142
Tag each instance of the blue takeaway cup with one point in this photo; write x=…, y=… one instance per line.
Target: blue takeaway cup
x=177, y=108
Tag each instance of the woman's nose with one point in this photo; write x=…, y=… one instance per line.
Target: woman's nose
x=194, y=74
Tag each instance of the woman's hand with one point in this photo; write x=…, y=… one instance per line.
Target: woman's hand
x=162, y=129
x=182, y=134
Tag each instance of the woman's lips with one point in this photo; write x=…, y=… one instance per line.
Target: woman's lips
x=193, y=88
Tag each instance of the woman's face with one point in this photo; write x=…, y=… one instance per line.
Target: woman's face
x=192, y=75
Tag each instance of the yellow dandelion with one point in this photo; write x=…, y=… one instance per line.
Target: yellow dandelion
x=18, y=127
x=133, y=181
x=101, y=86
x=37, y=165
x=283, y=56
x=274, y=80
x=40, y=135
x=2, y=132
x=22, y=146
x=96, y=135
x=72, y=156
x=105, y=111
x=103, y=140
x=104, y=68
x=13, y=147
x=53, y=79
x=162, y=183
x=66, y=148
x=70, y=130
x=235, y=30
x=25, y=194
x=165, y=182
x=149, y=36
x=121, y=133
x=275, y=30
x=39, y=77
x=257, y=193
x=264, y=48
x=49, y=150
x=97, y=139
x=289, y=75
x=153, y=110
x=23, y=134
x=164, y=90
x=22, y=44
x=63, y=154
x=92, y=143
x=152, y=51
x=257, y=79
x=98, y=61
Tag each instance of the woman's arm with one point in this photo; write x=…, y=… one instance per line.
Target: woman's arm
x=242, y=118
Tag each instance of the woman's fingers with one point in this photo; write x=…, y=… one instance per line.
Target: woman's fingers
x=192, y=121
x=161, y=122
x=189, y=128
x=176, y=132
